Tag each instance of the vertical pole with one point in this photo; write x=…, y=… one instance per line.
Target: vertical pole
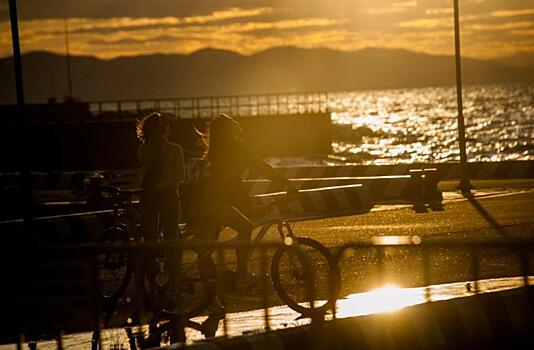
x=67, y=49
x=24, y=172
x=465, y=186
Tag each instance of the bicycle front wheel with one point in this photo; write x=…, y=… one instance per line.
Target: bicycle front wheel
x=114, y=268
x=179, y=284
x=296, y=280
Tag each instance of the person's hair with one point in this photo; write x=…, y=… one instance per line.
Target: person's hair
x=146, y=125
x=219, y=131
x=202, y=142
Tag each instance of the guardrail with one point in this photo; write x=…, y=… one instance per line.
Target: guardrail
x=208, y=107
x=62, y=193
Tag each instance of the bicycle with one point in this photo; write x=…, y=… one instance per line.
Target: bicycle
x=286, y=261
x=181, y=288
x=321, y=277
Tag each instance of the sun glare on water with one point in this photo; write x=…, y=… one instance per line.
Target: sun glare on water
x=389, y=298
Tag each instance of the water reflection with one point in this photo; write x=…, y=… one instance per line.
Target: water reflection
x=409, y=125
x=389, y=298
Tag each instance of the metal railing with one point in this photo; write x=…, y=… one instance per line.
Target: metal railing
x=207, y=107
x=429, y=261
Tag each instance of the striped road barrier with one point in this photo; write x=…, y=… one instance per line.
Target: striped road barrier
x=71, y=180
x=62, y=228
x=307, y=204
x=476, y=170
x=317, y=203
x=420, y=186
x=498, y=320
x=129, y=178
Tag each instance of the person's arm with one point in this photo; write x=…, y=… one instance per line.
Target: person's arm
x=267, y=170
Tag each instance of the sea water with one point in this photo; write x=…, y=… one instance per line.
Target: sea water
x=421, y=125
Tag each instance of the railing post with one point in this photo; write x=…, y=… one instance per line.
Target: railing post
x=474, y=267
x=426, y=273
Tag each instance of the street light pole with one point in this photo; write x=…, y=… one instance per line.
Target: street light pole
x=24, y=172
x=464, y=185
x=67, y=49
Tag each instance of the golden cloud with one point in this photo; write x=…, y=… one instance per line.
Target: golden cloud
x=125, y=36
x=427, y=23
x=439, y=11
x=500, y=26
x=446, y=22
x=512, y=13
x=529, y=32
x=41, y=26
x=396, y=7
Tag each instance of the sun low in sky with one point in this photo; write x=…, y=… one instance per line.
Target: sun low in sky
x=113, y=28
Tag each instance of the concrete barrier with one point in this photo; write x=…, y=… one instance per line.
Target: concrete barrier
x=87, y=145
x=499, y=320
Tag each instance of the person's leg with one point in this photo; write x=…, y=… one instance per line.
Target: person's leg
x=228, y=215
x=149, y=217
x=169, y=208
x=149, y=231
x=170, y=215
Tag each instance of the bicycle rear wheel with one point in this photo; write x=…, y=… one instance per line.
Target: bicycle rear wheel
x=294, y=279
x=179, y=284
x=114, y=268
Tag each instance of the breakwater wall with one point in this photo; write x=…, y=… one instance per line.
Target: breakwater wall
x=87, y=142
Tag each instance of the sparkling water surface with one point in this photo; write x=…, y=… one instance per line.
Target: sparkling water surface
x=420, y=124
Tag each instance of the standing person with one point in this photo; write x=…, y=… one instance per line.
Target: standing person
x=163, y=170
x=224, y=198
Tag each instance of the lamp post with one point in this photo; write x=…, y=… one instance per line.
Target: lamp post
x=464, y=185
x=24, y=172
x=67, y=50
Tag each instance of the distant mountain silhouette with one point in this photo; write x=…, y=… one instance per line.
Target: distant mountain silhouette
x=523, y=59
x=215, y=72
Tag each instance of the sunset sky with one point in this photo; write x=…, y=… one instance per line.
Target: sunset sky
x=112, y=28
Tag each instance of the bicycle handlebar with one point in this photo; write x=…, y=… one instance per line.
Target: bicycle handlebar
x=119, y=194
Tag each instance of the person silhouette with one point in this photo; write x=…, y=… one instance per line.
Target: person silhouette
x=224, y=198
x=162, y=171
